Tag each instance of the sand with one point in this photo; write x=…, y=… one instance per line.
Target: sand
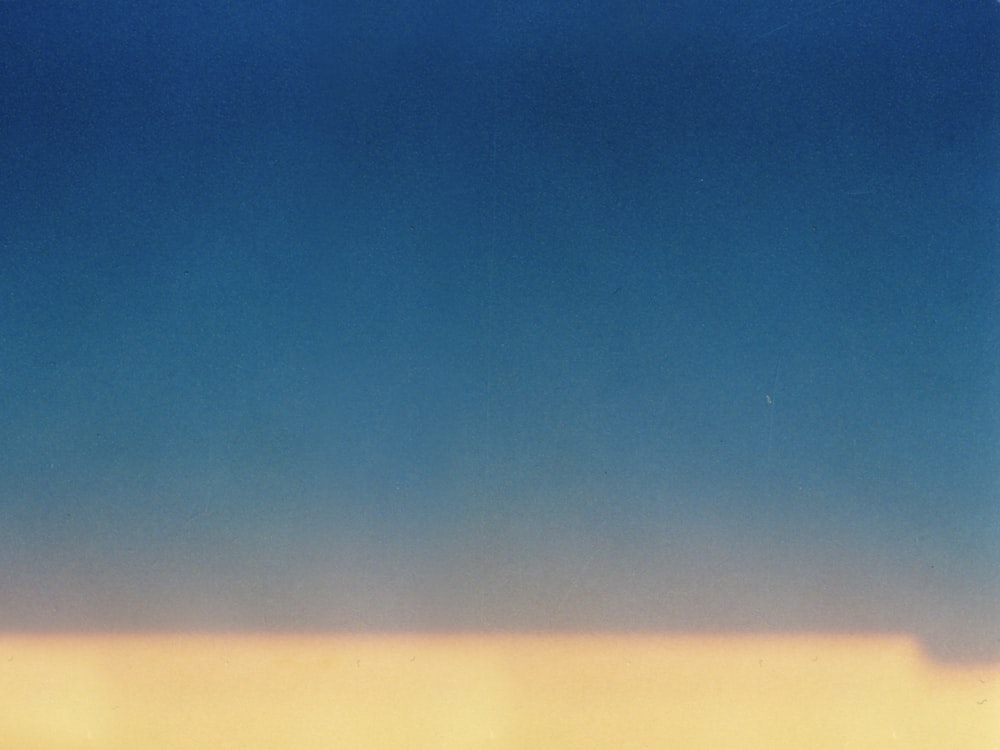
x=543, y=692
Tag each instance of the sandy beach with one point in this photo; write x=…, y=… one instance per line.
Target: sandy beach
x=497, y=691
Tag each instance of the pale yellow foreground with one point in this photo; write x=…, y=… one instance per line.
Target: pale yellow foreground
x=464, y=691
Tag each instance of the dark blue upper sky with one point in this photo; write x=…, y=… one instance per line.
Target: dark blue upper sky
x=653, y=316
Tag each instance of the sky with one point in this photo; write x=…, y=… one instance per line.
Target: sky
x=439, y=316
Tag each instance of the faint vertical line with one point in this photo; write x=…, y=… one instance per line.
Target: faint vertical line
x=494, y=209
x=488, y=489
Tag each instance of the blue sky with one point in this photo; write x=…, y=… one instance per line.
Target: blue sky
x=543, y=315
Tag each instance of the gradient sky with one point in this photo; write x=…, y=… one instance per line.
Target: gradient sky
x=536, y=315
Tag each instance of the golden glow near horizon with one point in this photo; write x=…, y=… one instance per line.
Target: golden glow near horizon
x=493, y=691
